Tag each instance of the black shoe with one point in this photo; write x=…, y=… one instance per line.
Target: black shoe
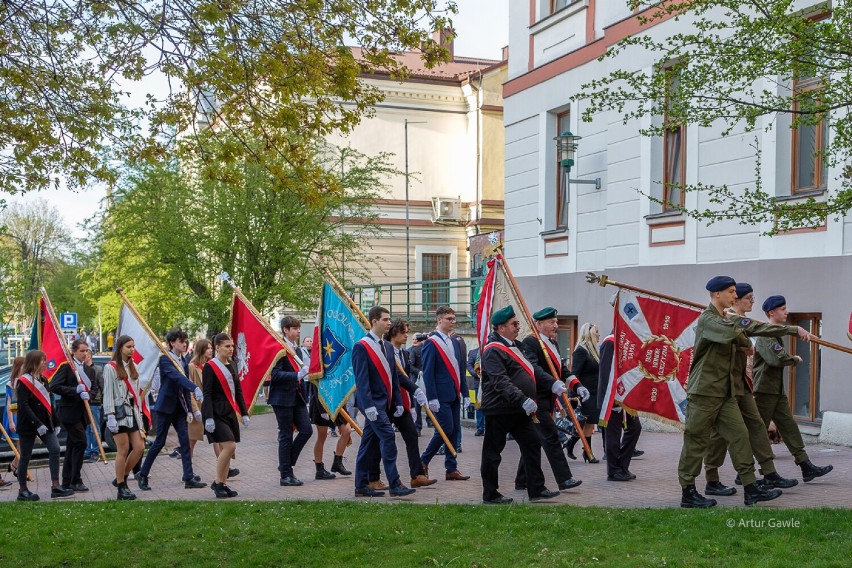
x=401, y=491
x=773, y=480
x=79, y=488
x=479, y=432
x=718, y=488
x=196, y=478
x=499, y=500
x=630, y=473
x=219, y=490
x=737, y=480
x=520, y=487
x=367, y=492
x=290, y=481
x=92, y=459
x=233, y=472
x=124, y=493
x=692, y=499
x=338, y=467
x=810, y=471
x=755, y=493
x=544, y=495
x=114, y=482
x=637, y=453
x=569, y=447
x=60, y=492
x=324, y=474
x=193, y=484
x=588, y=459
x=27, y=495
x=175, y=454
x=231, y=492
x=619, y=476
x=569, y=484
x=142, y=480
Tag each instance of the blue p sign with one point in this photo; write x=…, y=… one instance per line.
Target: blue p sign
x=68, y=320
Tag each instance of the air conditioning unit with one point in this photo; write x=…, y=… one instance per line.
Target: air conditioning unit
x=446, y=209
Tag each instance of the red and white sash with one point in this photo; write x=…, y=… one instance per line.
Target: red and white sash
x=515, y=354
x=554, y=356
x=380, y=361
x=406, y=396
x=448, y=354
x=226, y=380
x=82, y=376
x=38, y=391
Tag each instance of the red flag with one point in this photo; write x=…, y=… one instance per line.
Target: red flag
x=849, y=333
x=257, y=348
x=50, y=339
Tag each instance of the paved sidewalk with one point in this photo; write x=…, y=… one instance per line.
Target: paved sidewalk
x=656, y=485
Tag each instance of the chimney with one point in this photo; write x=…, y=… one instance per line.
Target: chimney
x=505, y=56
x=444, y=38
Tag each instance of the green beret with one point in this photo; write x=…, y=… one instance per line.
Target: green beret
x=502, y=316
x=545, y=314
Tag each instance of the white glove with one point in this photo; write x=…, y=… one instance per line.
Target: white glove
x=209, y=425
x=302, y=372
x=420, y=397
x=56, y=431
x=84, y=395
x=246, y=421
x=189, y=417
x=372, y=414
x=414, y=412
x=466, y=403
x=112, y=424
x=530, y=406
x=81, y=388
x=584, y=393
x=197, y=415
x=199, y=396
x=324, y=416
x=434, y=405
x=399, y=411
x=41, y=430
x=558, y=388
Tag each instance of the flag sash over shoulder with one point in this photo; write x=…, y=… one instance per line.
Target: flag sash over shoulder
x=380, y=362
x=38, y=391
x=140, y=406
x=515, y=354
x=220, y=370
x=448, y=355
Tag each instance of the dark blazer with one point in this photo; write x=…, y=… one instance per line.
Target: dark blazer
x=505, y=383
x=31, y=412
x=70, y=408
x=607, y=352
x=284, y=385
x=215, y=404
x=175, y=388
x=471, y=366
x=585, y=368
x=436, y=377
x=370, y=389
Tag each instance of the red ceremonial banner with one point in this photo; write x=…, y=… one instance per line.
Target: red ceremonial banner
x=257, y=349
x=50, y=340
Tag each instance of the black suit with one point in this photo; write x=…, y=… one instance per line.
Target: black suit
x=216, y=405
x=288, y=402
x=618, y=449
x=71, y=412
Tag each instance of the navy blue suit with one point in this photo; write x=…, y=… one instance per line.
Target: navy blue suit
x=440, y=385
x=172, y=406
x=370, y=391
x=288, y=402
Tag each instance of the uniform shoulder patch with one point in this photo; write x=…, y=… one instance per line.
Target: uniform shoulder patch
x=777, y=347
x=726, y=321
x=745, y=322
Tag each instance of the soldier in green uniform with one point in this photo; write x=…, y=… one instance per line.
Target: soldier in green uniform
x=743, y=388
x=710, y=396
x=770, y=359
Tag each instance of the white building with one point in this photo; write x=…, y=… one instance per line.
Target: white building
x=553, y=50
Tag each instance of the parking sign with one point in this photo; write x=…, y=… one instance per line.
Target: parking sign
x=68, y=320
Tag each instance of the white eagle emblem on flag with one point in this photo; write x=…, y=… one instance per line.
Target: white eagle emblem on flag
x=242, y=356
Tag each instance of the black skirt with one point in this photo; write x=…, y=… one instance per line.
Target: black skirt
x=227, y=430
x=316, y=410
x=128, y=429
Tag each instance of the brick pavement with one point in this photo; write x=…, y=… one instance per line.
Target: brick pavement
x=656, y=485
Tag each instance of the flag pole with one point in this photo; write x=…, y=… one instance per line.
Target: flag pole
x=95, y=427
x=603, y=280
x=341, y=291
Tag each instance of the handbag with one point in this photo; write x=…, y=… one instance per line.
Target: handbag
x=121, y=412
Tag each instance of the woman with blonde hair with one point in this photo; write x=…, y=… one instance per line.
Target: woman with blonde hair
x=122, y=405
x=584, y=365
x=10, y=416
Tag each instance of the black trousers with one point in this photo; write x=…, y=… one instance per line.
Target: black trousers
x=548, y=436
x=75, y=449
x=406, y=427
x=619, y=451
x=521, y=428
x=288, y=448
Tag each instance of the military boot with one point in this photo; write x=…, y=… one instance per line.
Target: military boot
x=810, y=471
x=774, y=480
x=755, y=493
x=692, y=499
x=717, y=488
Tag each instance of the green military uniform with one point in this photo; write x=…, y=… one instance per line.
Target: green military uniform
x=757, y=437
x=769, y=361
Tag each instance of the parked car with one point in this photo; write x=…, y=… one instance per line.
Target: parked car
x=106, y=436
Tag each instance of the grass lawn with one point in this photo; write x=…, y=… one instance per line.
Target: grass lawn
x=326, y=534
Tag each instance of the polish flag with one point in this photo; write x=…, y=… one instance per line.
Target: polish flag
x=147, y=354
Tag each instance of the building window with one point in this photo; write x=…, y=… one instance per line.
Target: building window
x=674, y=148
x=561, y=194
x=436, y=267
x=803, y=379
x=556, y=5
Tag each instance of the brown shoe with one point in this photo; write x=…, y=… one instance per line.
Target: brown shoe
x=426, y=469
x=378, y=485
x=422, y=481
x=456, y=476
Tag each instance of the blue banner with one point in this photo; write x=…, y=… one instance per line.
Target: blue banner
x=338, y=329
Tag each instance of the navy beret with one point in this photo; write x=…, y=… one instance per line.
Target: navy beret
x=773, y=302
x=719, y=283
x=545, y=314
x=743, y=289
x=503, y=315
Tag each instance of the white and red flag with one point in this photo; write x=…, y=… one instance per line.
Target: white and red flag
x=147, y=353
x=497, y=293
x=654, y=343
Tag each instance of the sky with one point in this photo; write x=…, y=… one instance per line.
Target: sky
x=482, y=29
